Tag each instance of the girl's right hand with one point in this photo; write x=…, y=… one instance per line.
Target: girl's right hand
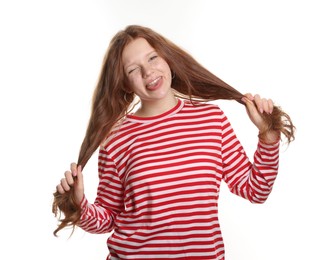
x=74, y=178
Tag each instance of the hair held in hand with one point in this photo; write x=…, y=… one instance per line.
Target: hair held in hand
x=113, y=99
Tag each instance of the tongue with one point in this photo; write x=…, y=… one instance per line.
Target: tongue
x=154, y=85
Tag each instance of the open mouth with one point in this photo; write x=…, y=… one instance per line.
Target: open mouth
x=154, y=84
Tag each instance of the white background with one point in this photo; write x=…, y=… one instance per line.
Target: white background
x=50, y=58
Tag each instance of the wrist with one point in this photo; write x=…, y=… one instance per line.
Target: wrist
x=269, y=137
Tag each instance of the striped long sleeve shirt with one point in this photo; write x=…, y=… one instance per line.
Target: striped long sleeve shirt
x=159, y=182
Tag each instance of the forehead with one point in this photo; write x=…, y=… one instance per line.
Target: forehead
x=135, y=50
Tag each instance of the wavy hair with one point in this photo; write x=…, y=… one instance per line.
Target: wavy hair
x=112, y=100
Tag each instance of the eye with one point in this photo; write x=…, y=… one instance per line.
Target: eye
x=153, y=57
x=132, y=70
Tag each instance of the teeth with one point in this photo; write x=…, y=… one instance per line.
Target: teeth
x=153, y=82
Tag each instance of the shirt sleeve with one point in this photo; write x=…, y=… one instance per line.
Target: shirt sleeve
x=99, y=216
x=252, y=181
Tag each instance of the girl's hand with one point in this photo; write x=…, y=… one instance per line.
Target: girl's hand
x=256, y=107
x=74, y=178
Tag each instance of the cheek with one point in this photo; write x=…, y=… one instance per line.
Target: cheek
x=168, y=73
x=167, y=69
x=134, y=83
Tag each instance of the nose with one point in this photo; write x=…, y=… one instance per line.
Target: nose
x=146, y=70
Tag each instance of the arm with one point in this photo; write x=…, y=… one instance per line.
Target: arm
x=99, y=217
x=251, y=181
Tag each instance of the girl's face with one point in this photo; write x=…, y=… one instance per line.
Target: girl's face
x=148, y=74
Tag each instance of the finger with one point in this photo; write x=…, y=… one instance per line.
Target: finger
x=270, y=105
x=79, y=169
x=250, y=106
x=73, y=168
x=249, y=96
x=79, y=187
x=60, y=189
x=258, y=102
x=80, y=179
x=265, y=105
x=69, y=178
x=64, y=184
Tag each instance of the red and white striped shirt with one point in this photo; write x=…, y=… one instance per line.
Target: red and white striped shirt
x=159, y=181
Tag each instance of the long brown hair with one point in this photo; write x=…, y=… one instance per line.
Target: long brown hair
x=112, y=99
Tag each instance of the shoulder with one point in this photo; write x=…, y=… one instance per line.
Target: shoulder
x=117, y=133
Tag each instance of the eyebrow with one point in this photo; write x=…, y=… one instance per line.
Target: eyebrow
x=126, y=66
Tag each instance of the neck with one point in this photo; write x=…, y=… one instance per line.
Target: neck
x=156, y=107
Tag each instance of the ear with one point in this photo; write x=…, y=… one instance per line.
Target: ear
x=173, y=74
x=127, y=87
x=128, y=97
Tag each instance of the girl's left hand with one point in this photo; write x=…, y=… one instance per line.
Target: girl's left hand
x=256, y=106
